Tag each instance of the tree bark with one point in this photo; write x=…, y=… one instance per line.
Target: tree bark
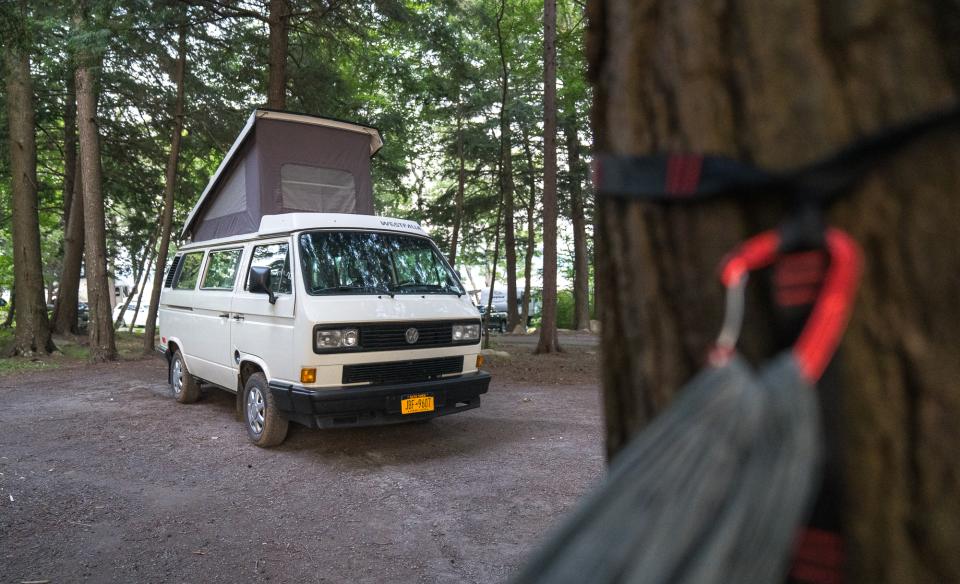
x=32, y=333
x=780, y=84
x=99, y=292
x=461, y=186
x=279, y=22
x=548, y=330
x=65, y=309
x=581, y=266
x=169, y=191
x=506, y=177
x=493, y=274
x=531, y=231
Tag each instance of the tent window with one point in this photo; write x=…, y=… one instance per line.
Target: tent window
x=317, y=189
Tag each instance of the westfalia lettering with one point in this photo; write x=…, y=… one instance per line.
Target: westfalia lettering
x=400, y=224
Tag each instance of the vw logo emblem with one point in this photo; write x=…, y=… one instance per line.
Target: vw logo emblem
x=412, y=335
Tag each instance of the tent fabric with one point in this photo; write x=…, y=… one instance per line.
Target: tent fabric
x=286, y=163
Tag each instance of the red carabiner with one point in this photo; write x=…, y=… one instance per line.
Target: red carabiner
x=828, y=319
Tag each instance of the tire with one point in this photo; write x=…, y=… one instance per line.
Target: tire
x=186, y=389
x=265, y=426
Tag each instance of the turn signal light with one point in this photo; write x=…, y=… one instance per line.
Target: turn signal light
x=480, y=361
x=308, y=375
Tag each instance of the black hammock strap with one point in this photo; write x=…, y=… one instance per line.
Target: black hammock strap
x=674, y=177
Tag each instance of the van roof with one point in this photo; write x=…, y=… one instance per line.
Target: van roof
x=272, y=225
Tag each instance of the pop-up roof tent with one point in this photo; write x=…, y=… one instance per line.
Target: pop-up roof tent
x=283, y=163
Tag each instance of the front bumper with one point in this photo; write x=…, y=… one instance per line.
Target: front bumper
x=376, y=404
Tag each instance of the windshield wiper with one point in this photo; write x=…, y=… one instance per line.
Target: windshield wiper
x=426, y=287
x=372, y=289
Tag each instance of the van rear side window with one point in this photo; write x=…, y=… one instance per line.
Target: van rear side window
x=189, y=271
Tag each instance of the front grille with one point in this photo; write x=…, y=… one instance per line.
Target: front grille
x=402, y=371
x=384, y=337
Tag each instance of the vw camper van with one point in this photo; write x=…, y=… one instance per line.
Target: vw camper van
x=324, y=320
x=293, y=295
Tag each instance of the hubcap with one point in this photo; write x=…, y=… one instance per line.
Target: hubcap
x=177, y=376
x=255, y=408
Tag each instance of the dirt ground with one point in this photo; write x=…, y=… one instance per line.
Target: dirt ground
x=104, y=478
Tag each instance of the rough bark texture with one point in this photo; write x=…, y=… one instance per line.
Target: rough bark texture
x=506, y=178
x=32, y=333
x=65, y=310
x=169, y=190
x=279, y=22
x=779, y=84
x=99, y=292
x=548, y=330
x=581, y=267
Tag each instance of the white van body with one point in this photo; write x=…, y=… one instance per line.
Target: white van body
x=376, y=282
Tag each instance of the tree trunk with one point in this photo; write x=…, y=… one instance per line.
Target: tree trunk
x=493, y=275
x=169, y=190
x=531, y=230
x=279, y=21
x=506, y=178
x=461, y=186
x=32, y=333
x=99, y=292
x=780, y=84
x=581, y=267
x=65, y=309
x=548, y=330
x=147, y=269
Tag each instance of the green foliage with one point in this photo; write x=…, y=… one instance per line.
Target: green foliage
x=425, y=72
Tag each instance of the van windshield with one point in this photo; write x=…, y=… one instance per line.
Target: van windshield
x=361, y=262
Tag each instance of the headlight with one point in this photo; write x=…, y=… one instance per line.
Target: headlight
x=466, y=332
x=336, y=339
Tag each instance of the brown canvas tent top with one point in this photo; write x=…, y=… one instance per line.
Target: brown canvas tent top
x=285, y=162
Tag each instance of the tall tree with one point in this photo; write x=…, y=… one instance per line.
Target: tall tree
x=531, y=180
x=780, y=84
x=506, y=175
x=581, y=265
x=32, y=333
x=99, y=291
x=169, y=192
x=279, y=22
x=461, y=184
x=548, y=342
x=65, y=309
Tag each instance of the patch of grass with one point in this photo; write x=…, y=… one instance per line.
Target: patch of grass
x=11, y=365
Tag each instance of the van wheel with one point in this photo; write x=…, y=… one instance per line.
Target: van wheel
x=265, y=426
x=186, y=390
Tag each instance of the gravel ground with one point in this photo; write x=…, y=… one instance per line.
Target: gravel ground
x=104, y=478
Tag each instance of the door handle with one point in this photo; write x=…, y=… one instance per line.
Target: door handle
x=225, y=315
x=238, y=317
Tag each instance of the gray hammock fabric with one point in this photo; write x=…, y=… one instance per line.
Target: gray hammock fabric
x=712, y=491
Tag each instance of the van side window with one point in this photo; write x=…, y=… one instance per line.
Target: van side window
x=274, y=256
x=221, y=269
x=189, y=271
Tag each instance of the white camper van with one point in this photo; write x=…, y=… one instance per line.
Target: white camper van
x=325, y=320
x=294, y=296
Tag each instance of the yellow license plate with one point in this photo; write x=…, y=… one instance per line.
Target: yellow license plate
x=414, y=404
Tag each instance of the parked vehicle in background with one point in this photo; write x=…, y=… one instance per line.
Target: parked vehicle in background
x=325, y=320
x=138, y=319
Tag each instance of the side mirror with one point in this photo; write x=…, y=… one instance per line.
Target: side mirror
x=259, y=279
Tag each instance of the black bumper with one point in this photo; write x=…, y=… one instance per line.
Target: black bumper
x=376, y=404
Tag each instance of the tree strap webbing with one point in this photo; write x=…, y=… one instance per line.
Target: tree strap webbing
x=678, y=178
